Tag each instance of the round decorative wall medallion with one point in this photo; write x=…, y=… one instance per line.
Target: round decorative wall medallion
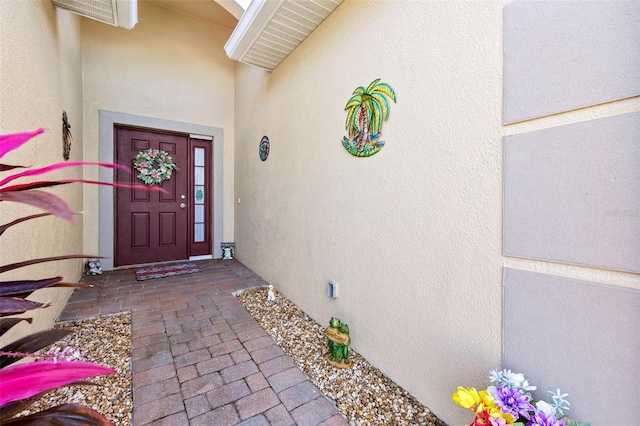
x=264, y=148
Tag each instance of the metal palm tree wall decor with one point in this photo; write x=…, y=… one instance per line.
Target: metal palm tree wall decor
x=366, y=110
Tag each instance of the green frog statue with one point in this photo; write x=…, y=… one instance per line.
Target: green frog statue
x=339, y=340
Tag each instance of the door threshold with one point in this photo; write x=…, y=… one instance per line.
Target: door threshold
x=166, y=262
x=150, y=264
x=202, y=257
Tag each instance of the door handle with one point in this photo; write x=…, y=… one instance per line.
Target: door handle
x=183, y=205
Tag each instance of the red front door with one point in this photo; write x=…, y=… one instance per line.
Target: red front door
x=152, y=226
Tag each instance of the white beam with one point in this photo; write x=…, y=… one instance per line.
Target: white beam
x=236, y=8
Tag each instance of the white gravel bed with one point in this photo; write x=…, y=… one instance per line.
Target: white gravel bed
x=107, y=339
x=362, y=393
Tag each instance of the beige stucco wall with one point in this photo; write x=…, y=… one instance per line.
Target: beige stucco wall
x=40, y=76
x=170, y=67
x=411, y=235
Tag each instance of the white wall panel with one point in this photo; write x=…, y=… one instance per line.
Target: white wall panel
x=564, y=55
x=579, y=336
x=572, y=194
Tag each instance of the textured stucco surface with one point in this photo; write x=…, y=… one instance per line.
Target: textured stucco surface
x=571, y=201
x=40, y=76
x=563, y=55
x=573, y=331
x=411, y=235
x=169, y=67
x=572, y=193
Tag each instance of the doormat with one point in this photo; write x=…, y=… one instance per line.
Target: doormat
x=166, y=271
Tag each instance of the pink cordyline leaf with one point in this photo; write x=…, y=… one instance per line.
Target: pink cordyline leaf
x=56, y=166
x=16, y=305
x=14, y=408
x=118, y=185
x=7, y=323
x=41, y=199
x=13, y=288
x=11, y=266
x=47, y=183
x=7, y=167
x=12, y=141
x=67, y=415
x=21, y=381
x=52, y=203
x=31, y=185
x=28, y=290
x=20, y=220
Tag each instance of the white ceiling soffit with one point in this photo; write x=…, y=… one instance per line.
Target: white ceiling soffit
x=119, y=13
x=270, y=29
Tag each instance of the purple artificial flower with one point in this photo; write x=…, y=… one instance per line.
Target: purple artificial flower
x=511, y=401
x=542, y=419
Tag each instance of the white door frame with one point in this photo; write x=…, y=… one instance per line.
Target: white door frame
x=105, y=194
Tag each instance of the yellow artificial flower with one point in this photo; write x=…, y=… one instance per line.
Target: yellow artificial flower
x=488, y=404
x=497, y=414
x=486, y=398
x=466, y=398
x=509, y=418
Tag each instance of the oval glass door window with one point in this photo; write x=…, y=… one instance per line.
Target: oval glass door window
x=199, y=194
x=264, y=148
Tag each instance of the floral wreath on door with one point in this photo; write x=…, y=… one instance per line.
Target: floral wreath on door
x=154, y=166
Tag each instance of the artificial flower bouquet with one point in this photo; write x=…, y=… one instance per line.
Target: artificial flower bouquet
x=509, y=402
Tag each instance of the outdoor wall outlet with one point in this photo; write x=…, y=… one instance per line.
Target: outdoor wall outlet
x=332, y=290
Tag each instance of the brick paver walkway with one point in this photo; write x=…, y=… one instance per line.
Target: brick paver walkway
x=199, y=358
